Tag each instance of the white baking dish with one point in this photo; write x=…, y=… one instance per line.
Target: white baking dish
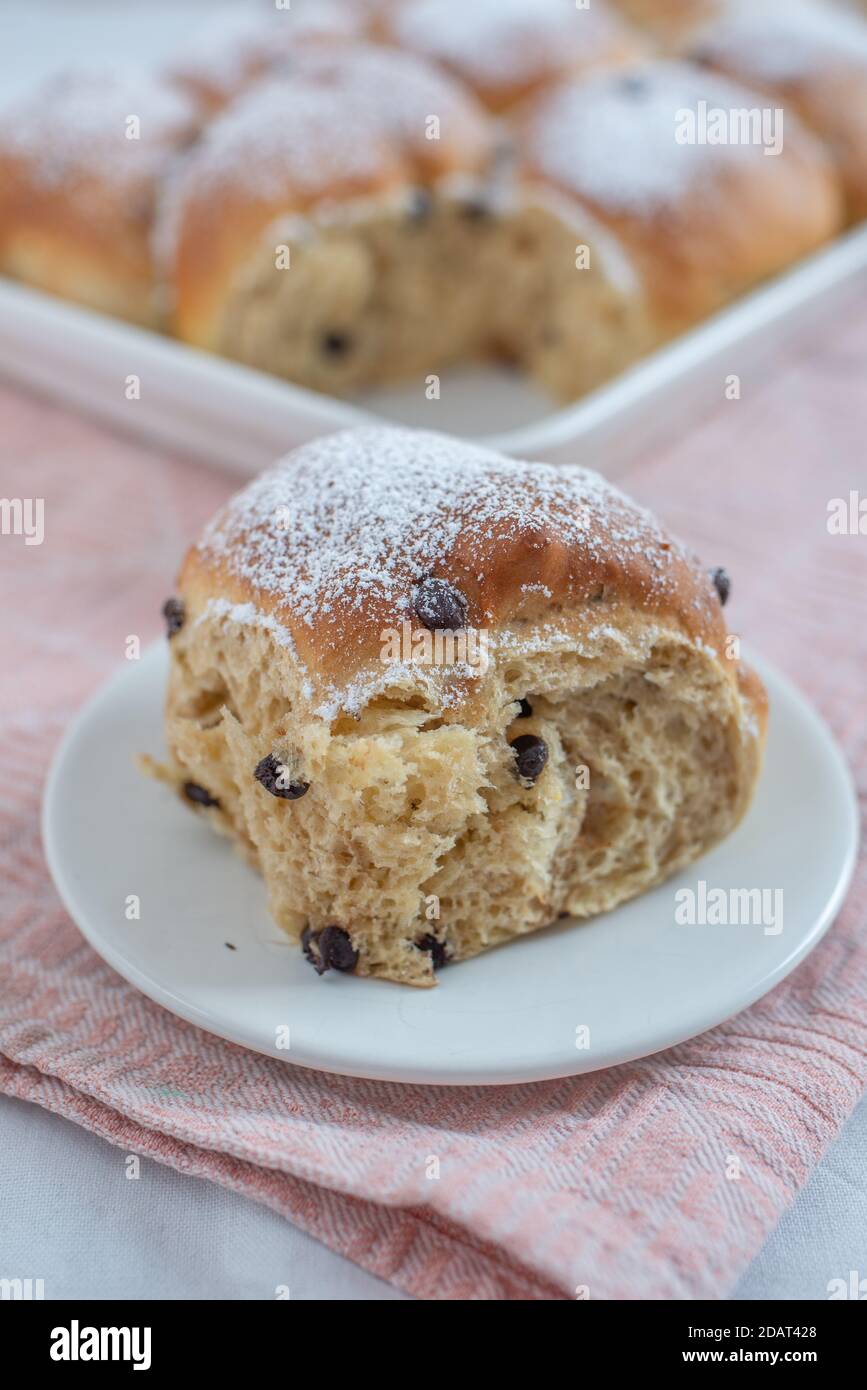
x=240, y=420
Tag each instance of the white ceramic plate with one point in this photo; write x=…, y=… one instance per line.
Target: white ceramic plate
x=636, y=980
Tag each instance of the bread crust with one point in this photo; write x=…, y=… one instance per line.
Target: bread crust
x=550, y=540
x=702, y=223
x=812, y=59
x=79, y=186
x=286, y=150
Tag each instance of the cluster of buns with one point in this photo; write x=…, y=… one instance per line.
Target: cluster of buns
x=347, y=192
x=440, y=698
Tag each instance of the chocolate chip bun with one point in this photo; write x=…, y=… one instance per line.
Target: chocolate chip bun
x=697, y=223
x=507, y=49
x=440, y=698
x=82, y=160
x=811, y=58
x=317, y=232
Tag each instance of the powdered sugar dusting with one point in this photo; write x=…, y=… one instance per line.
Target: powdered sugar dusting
x=233, y=46
x=247, y=614
x=352, y=522
x=507, y=42
x=612, y=137
x=341, y=114
x=781, y=42
x=116, y=126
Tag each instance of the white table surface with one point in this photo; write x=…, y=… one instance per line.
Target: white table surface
x=68, y=1214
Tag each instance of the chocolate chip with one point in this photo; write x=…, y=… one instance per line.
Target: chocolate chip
x=336, y=344
x=526, y=710
x=308, y=939
x=531, y=755
x=475, y=210
x=721, y=583
x=329, y=948
x=174, y=614
x=437, y=949
x=440, y=606
x=337, y=950
x=275, y=779
x=200, y=795
x=420, y=205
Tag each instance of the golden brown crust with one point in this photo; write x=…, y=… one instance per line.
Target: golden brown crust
x=506, y=49
x=332, y=545
x=812, y=59
x=81, y=161
x=288, y=147
x=702, y=222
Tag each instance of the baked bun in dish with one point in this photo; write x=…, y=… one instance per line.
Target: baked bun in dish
x=808, y=58
x=699, y=223
x=83, y=159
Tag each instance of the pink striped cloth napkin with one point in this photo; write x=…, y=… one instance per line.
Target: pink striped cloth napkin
x=615, y=1181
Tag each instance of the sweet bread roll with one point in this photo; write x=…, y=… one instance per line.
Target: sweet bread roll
x=811, y=58
x=699, y=222
x=506, y=49
x=322, y=227
x=236, y=50
x=441, y=697
x=81, y=162
x=354, y=224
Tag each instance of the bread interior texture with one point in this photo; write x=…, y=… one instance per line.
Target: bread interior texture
x=416, y=823
x=400, y=290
